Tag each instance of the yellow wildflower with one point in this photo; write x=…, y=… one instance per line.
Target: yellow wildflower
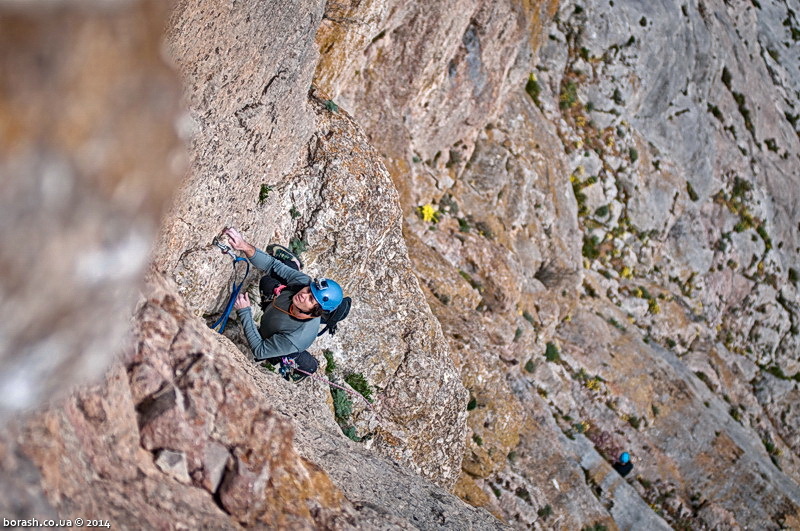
x=580, y=121
x=428, y=214
x=626, y=272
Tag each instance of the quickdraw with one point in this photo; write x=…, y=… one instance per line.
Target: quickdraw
x=223, y=320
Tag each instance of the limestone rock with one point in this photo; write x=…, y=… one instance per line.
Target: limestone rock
x=246, y=68
x=89, y=158
x=568, y=230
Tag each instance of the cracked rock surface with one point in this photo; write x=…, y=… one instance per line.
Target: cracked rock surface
x=569, y=230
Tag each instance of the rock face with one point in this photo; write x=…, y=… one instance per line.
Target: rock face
x=333, y=196
x=646, y=176
x=87, y=113
x=181, y=433
x=568, y=230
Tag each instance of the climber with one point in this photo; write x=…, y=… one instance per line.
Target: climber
x=290, y=324
x=623, y=464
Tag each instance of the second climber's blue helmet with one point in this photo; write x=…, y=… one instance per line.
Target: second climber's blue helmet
x=624, y=457
x=327, y=292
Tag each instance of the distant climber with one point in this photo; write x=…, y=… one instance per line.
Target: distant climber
x=291, y=322
x=623, y=465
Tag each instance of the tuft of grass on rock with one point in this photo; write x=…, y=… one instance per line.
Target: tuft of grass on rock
x=330, y=366
x=342, y=405
x=263, y=193
x=359, y=384
x=551, y=352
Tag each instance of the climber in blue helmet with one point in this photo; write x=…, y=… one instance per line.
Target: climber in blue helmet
x=623, y=464
x=291, y=322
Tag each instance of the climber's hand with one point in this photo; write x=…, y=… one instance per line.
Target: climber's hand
x=238, y=243
x=236, y=239
x=242, y=301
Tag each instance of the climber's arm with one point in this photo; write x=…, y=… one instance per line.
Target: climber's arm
x=276, y=346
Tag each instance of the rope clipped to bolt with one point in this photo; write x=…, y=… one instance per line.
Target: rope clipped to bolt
x=223, y=320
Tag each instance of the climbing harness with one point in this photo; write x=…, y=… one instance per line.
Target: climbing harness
x=288, y=365
x=223, y=320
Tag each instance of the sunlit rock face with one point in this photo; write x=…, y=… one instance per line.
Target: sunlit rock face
x=568, y=230
x=184, y=427
x=636, y=161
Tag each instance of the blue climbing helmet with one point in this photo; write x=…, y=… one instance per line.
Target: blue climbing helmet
x=624, y=457
x=327, y=292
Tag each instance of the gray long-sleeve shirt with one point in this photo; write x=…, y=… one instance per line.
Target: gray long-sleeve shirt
x=280, y=334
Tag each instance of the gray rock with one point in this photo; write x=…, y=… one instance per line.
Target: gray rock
x=173, y=464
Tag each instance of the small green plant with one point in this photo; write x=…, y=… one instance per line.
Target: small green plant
x=477, y=439
x=771, y=144
x=616, y=324
x=544, y=512
x=533, y=89
x=762, y=232
x=350, y=432
x=602, y=211
x=472, y=404
x=714, y=110
x=523, y=494
x=530, y=366
x=331, y=106
x=598, y=526
x=656, y=410
x=774, y=54
x=359, y=384
x=690, y=190
x=634, y=421
x=735, y=413
x=298, y=246
x=263, y=194
x=472, y=282
x=463, y=225
x=416, y=160
x=484, y=230
x=269, y=366
x=569, y=95
x=551, y=352
x=793, y=275
x=294, y=212
x=633, y=154
x=517, y=334
x=590, y=247
x=342, y=405
x=527, y=316
x=330, y=366
x=617, y=97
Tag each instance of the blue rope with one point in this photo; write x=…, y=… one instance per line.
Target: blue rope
x=223, y=320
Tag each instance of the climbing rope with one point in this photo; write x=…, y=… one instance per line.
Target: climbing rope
x=223, y=320
x=288, y=364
